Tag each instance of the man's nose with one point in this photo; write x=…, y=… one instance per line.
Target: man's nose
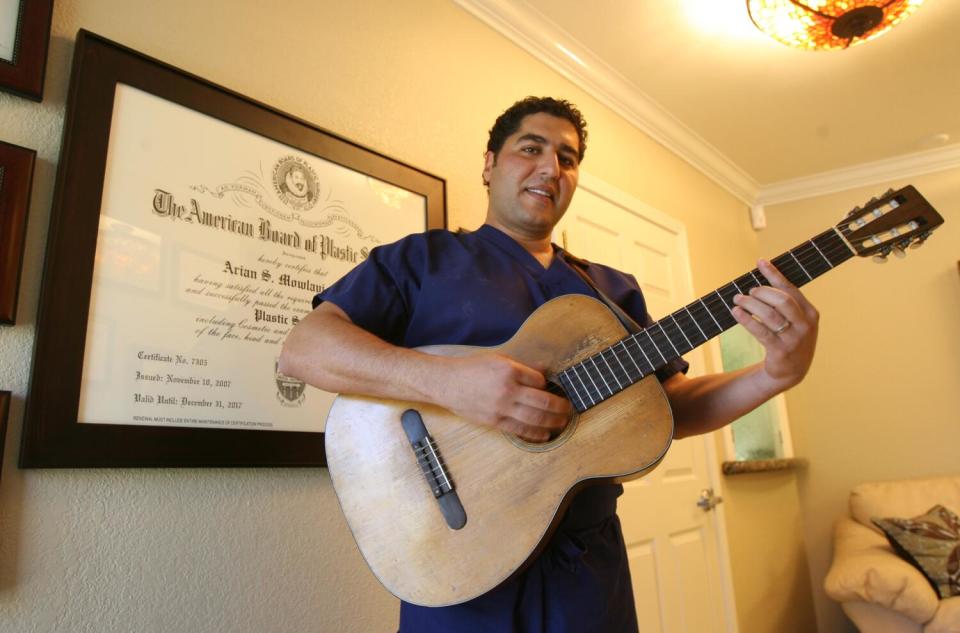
x=549, y=165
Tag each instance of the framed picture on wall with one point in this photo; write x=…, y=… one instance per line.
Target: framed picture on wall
x=16, y=178
x=24, y=39
x=4, y=413
x=191, y=227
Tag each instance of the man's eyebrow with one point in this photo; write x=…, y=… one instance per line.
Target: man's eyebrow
x=536, y=138
x=530, y=136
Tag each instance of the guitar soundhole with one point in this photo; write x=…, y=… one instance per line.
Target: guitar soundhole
x=554, y=442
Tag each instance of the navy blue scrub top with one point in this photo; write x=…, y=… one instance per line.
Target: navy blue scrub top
x=478, y=288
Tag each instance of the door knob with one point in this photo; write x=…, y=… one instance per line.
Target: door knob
x=708, y=501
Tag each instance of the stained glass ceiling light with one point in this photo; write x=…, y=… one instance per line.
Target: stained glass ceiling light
x=828, y=24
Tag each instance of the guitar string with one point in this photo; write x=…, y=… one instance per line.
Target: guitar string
x=669, y=333
x=453, y=443
x=808, y=253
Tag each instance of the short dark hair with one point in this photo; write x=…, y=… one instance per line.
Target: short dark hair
x=509, y=122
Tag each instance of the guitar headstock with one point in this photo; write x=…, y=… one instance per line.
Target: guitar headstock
x=890, y=223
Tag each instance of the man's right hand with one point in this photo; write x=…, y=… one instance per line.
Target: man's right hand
x=497, y=391
x=486, y=388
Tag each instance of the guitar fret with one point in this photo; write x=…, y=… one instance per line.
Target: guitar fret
x=599, y=371
x=636, y=341
x=592, y=382
x=833, y=246
x=613, y=370
x=705, y=337
x=585, y=388
x=630, y=356
x=722, y=300
x=571, y=389
x=620, y=362
x=814, y=244
x=711, y=314
x=682, y=332
x=809, y=278
x=667, y=336
x=689, y=326
x=785, y=267
x=720, y=313
x=802, y=267
x=745, y=283
x=841, y=245
x=705, y=321
x=649, y=336
x=727, y=293
x=812, y=260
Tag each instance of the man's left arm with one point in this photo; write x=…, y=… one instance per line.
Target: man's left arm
x=785, y=323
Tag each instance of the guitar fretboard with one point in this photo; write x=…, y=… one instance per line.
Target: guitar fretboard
x=593, y=380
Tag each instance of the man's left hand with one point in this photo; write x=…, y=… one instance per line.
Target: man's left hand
x=784, y=322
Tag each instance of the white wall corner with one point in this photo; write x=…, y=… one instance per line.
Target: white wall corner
x=538, y=35
x=872, y=173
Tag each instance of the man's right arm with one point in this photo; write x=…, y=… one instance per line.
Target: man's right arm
x=327, y=350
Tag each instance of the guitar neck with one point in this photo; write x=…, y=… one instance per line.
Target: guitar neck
x=605, y=374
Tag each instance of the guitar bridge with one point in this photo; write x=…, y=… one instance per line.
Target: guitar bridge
x=434, y=470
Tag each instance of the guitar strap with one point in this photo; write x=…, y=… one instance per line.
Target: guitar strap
x=580, y=265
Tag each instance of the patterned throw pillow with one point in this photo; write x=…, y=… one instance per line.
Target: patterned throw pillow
x=931, y=543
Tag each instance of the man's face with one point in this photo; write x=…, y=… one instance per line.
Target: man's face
x=533, y=177
x=296, y=182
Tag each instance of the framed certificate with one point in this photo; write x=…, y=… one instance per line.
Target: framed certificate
x=191, y=228
x=24, y=39
x=16, y=177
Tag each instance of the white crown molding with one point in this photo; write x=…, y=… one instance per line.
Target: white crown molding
x=872, y=173
x=536, y=34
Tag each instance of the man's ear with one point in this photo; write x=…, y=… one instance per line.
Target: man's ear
x=489, y=161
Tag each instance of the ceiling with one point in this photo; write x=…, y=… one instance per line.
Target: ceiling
x=766, y=121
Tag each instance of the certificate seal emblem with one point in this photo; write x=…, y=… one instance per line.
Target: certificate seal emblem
x=290, y=391
x=295, y=183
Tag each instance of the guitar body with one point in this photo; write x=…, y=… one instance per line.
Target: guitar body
x=513, y=492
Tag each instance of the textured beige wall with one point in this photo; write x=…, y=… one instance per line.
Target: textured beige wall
x=882, y=400
x=266, y=550
x=770, y=571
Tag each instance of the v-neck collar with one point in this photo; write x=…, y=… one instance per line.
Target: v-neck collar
x=516, y=251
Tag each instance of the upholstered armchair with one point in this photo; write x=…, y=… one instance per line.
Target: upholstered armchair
x=877, y=587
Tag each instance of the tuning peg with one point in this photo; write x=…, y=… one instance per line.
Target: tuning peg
x=920, y=239
x=899, y=252
x=881, y=257
x=888, y=192
x=853, y=212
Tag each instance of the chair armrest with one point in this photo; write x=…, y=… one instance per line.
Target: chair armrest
x=866, y=568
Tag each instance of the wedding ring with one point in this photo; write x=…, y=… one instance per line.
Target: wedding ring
x=783, y=327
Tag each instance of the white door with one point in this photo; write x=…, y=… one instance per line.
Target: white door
x=678, y=554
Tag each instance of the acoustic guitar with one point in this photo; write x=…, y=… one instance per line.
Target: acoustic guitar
x=444, y=510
